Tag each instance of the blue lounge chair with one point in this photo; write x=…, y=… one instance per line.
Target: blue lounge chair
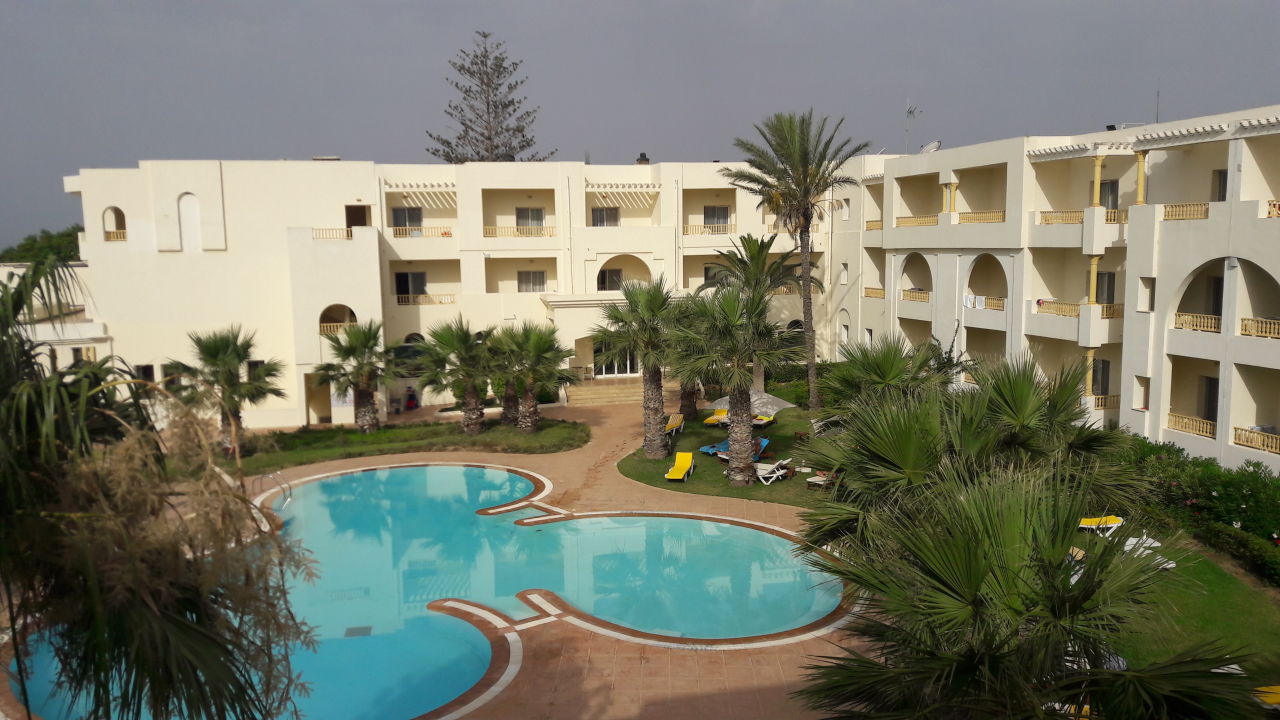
x=722, y=449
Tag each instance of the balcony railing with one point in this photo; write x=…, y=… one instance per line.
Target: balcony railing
x=777, y=227
x=916, y=221
x=519, y=230
x=1187, y=211
x=1260, y=327
x=1057, y=307
x=409, y=232
x=1193, y=425
x=916, y=295
x=1061, y=217
x=1257, y=440
x=786, y=290
x=1111, y=311
x=873, y=293
x=1273, y=208
x=994, y=303
x=875, y=224
x=424, y=299
x=114, y=235
x=1105, y=402
x=709, y=229
x=330, y=233
x=1193, y=321
x=334, y=328
x=1117, y=217
x=982, y=216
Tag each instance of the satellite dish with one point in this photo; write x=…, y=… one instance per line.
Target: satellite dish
x=930, y=147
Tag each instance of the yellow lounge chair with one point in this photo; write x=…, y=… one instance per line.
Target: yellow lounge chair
x=717, y=417
x=1104, y=526
x=1268, y=695
x=682, y=468
x=762, y=420
x=674, y=424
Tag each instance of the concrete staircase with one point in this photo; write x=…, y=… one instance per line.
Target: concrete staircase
x=617, y=391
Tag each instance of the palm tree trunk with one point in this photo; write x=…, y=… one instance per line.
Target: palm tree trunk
x=472, y=412
x=655, y=440
x=366, y=411
x=236, y=427
x=510, y=402
x=688, y=400
x=806, y=303
x=742, y=469
x=529, y=415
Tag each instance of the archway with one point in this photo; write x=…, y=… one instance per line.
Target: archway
x=916, y=274
x=189, y=220
x=621, y=269
x=335, y=318
x=1200, y=302
x=113, y=224
x=987, y=278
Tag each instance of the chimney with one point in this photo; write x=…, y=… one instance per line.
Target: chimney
x=643, y=159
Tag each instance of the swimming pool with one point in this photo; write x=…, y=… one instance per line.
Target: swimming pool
x=390, y=541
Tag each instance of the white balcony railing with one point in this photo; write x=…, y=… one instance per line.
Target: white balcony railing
x=433, y=299
x=709, y=229
x=330, y=233
x=519, y=231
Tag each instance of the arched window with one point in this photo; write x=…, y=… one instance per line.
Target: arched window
x=188, y=221
x=412, y=338
x=796, y=325
x=113, y=224
x=335, y=319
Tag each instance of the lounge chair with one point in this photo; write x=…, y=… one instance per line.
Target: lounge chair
x=767, y=473
x=674, y=424
x=762, y=420
x=1104, y=525
x=722, y=446
x=1269, y=696
x=717, y=417
x=682, y=468
x=757, y=448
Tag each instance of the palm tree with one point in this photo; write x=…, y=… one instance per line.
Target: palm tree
x=730, y=333
x=458, y=359
x=987, y=602
x=640, y=327
x=887, y=368
x=798, y=165
x=682, y=317
x=539, y=369
x=226, y=378
x=503, y=351
x=362, y=365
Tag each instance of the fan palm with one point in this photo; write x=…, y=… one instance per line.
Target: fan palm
x=640, y=327
x=539, y=369
x=731, y=332
x=885, y=369
x=361, y=365
x=225, y=378
x=503, y=352
x=985, y=601
x=793, y=169
x=458, y=359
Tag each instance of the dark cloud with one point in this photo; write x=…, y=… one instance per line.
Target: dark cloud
x=108, y=84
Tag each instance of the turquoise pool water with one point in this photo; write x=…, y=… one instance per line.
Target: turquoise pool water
x=388, y=542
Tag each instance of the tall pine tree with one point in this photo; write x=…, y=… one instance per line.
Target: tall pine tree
x=492, y=124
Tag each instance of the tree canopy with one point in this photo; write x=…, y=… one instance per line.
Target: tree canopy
x=63, y=245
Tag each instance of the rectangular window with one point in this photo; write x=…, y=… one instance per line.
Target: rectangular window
x=145, y=372
x=844, y=273
x=529, y=217
x=357, y=216
x=77, y=355
x=411, y=283
x=844, y=208
x=708, y=273
x=870, y=335
x=844, y=333
x=407, y=217
x=531, y=281
x=1106, y=288
x=609, y=280
x=1109, y=195
x=1141, y=392
x=604, y=217
x=1101, y=381
x=1219, y=186
x=1147, y=301
x=715, y=215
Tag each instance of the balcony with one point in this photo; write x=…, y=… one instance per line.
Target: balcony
x=1187, y=211
x=1112, y=311
x=334, y=328
x=1193, y=425
x=1257, y=439
x=916, y=295
x=115, y=235
x=1273, y=208
x=415, y=232
x=330, y=233
x=424, y=299
x=519, y=231
x=875, y=224
x=710, y=229
x=873, y=292
x=1103, y=402
x=1260, y=327
x=1057, y=307
x=1117, y=217
x=916, y=221
x=777, y=227
x=984, y=216
x=1194, y=321
x=1061, y=217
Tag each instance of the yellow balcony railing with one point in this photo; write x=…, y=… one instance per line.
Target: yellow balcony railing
x=1194, y=321
x=1061, y=217
x=114, y=235
x=873, y=292
x=994, y=303
x=1117, y=217
x=916, y=295
x=1273, y=208
x=916, y=221
x=1193, y=425
x=1260, y=327
x=519, y=230
x=1186, y=211
x=786, y=290
x=1111, y=311
x=334, y=328
x=1106, y=402
x=411, y=232
x=982, y=216
x=434, y=299
x=1257, y=440
x=875, y=224
x=331, y=233
x=777, y=227
x=1057, y=307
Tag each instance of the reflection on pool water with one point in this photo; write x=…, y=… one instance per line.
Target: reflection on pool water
x=388, y=542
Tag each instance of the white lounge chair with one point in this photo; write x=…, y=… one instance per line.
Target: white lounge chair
x=770, y=472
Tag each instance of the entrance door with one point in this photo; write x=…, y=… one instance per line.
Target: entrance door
x=624, y=366
x=1109, y=194
x=357, y=216
x=1209, y=388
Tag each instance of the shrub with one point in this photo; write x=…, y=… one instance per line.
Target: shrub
x=1259, y=556
x=795, y=372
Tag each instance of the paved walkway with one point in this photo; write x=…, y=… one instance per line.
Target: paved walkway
x=568, y=672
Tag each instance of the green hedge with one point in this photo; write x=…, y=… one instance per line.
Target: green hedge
x=798, y=371
x=1261, y=557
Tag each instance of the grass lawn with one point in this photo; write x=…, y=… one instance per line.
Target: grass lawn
x=708, y=477
x=300, y=447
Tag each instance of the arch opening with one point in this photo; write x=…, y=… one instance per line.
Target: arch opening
x=916, y=274
x=621, y=269
x=113, y=224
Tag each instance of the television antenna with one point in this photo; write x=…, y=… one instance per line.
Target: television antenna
x=913, y=112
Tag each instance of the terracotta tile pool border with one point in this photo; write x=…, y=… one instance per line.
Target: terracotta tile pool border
x=505, y=659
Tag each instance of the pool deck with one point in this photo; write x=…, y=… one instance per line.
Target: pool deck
x=566, y=671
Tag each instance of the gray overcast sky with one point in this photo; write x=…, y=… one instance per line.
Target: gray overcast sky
x=105, y=84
